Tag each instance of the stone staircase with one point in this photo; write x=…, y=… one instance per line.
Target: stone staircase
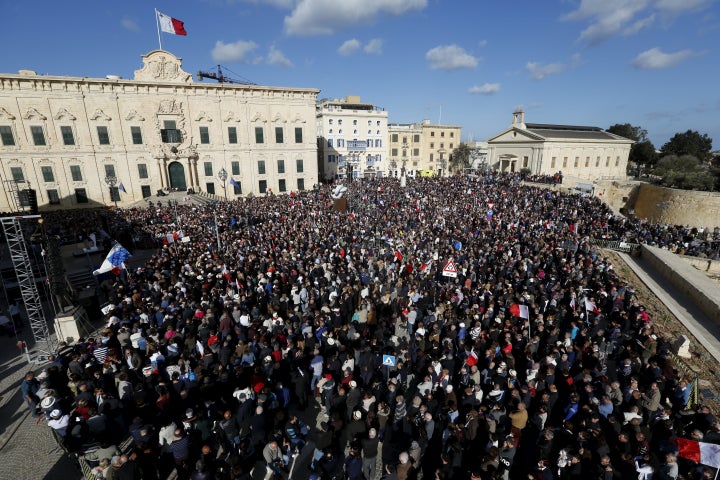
x=183, y=198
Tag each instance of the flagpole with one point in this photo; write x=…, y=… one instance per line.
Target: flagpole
x=157, y=24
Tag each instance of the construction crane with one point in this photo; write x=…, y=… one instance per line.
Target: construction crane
x=221, y=78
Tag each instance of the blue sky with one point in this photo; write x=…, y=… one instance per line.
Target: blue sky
x=652, y=63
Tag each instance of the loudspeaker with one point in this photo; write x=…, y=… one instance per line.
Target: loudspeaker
x=28, y=199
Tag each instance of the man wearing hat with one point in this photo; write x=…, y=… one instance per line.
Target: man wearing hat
x=59, y=422
x=353, y=398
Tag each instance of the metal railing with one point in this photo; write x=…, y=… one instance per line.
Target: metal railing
x=617, y=245
x=693, y=385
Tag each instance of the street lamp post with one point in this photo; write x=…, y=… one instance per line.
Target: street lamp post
x=111, y=181
x=222, y=175
x=404, y=158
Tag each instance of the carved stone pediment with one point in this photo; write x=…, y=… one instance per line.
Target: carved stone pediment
x=231, y=117
x=298, y=119
x=278, y=118
x=100, y=115
x=203, y=116
x=5, y=114
x=258, y=117
x=64, y=114
x=32, y=113
x=134, y=115
x=162, y=66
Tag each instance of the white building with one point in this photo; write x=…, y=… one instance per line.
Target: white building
x=65, y=136
x=352, y=139
x=478, y=155
x=588, y=153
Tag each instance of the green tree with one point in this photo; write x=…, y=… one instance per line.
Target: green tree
x=460, y=157
x=684, y=171
x=626, y=130
x=689, y=143
x=642, y=151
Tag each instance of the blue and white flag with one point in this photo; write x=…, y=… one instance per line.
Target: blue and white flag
x=115, y=260
x=121, y=187
x=234, y=183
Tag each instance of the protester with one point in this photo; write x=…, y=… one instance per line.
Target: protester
x=457, y=326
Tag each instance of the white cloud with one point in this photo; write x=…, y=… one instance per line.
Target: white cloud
x=274, y=3
x=374, y=46
x=130, y=24
x=349, y=47
x=608, y=17
x=680, y=6
x=656, y=58
x=539, y=71
x=233, y=52
x=324, y=17
x=450, y=57
x=276, y=57
x=639, y=25
x=482, y=43
x=486, y=89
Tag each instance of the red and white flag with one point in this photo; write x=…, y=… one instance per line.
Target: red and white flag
x=399, y=255
x=699, y=452
x=472, y=358
x=590, y=306
x=171, y=25
x=425, y=266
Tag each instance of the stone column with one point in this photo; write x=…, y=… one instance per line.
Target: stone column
x=161, y=172
x=191, y=175
x=196, y=177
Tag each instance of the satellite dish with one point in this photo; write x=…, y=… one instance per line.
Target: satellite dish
x=338, y=192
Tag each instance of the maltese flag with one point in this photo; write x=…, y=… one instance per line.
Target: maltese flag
x=114, y=261
x=171, y=25
x=699, y=452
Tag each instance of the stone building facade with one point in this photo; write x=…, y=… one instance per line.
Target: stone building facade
x=422, y=147
x=587, y=153
x=352, y=139
x=68, y=137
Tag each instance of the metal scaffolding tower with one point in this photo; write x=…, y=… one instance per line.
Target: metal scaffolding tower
x=17, y=245
x=13, y=191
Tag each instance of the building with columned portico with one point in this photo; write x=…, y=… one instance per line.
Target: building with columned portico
x=67, y=138
x=588, y=153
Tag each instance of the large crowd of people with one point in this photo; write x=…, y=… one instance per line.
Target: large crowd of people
x=273, y=329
